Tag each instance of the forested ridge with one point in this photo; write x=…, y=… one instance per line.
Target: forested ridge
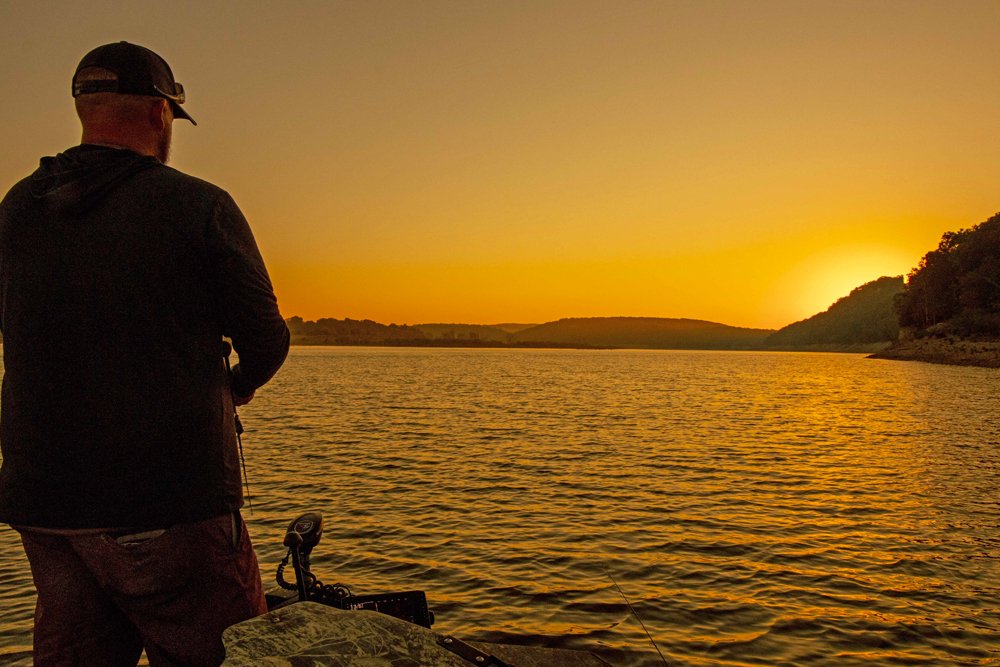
x=955, y=289
x=949, y=312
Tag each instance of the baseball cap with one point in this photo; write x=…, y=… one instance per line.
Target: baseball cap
x=136, y=71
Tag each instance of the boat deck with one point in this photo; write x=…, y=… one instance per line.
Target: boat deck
x=307, y=634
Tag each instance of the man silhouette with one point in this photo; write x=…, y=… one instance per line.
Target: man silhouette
x=119, y=278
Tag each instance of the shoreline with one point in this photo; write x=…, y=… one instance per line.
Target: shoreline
x=327, y=341
x=950, y=351
x=330, y=341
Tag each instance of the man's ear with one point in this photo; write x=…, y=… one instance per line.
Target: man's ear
x=159, y=114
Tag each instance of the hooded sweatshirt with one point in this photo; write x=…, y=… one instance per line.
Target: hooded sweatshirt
x=119, y=277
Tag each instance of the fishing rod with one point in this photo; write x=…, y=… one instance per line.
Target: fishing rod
x=636, y=614
x=227, y=348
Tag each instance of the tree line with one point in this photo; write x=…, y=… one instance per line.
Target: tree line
x=955, y=289
x=331, y=331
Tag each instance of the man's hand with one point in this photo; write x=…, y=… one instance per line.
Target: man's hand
x=242, y=400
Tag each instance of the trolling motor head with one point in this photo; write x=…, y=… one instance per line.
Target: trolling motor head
x=302, y=535
x=304, y=532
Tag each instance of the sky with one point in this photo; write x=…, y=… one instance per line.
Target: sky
x=488, y=161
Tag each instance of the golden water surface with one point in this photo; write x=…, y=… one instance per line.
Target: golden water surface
x=756, y=508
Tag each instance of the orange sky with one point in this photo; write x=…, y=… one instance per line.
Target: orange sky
x=487, y=161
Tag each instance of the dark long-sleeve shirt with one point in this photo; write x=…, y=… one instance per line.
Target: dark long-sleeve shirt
x=119, y=277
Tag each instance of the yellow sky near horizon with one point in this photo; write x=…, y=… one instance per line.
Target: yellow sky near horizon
x=745, y=163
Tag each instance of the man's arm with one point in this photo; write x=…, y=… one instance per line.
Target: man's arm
x=246, y=300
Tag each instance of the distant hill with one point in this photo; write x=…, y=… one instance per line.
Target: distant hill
x=471, y=332
x=863, y=318
x=645, y=332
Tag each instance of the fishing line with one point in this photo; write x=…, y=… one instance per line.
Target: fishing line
x=634, y=613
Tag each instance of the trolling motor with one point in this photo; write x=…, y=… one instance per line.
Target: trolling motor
x=304, y=533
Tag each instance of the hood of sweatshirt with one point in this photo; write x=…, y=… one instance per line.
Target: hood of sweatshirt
x=77, y=180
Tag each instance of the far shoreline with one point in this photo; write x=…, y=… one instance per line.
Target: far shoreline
x=543, y=345
x=457, y=343
x=948, y=351
x=983, y=354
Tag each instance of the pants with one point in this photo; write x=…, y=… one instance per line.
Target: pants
x=101, y=600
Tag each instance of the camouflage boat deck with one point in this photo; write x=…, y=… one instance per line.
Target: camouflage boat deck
x=307, y=634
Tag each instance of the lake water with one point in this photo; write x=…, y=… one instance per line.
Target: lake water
x=755, y=508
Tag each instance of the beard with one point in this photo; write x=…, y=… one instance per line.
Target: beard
x=163, y=145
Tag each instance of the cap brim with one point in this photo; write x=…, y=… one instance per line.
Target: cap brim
x=180, y=113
